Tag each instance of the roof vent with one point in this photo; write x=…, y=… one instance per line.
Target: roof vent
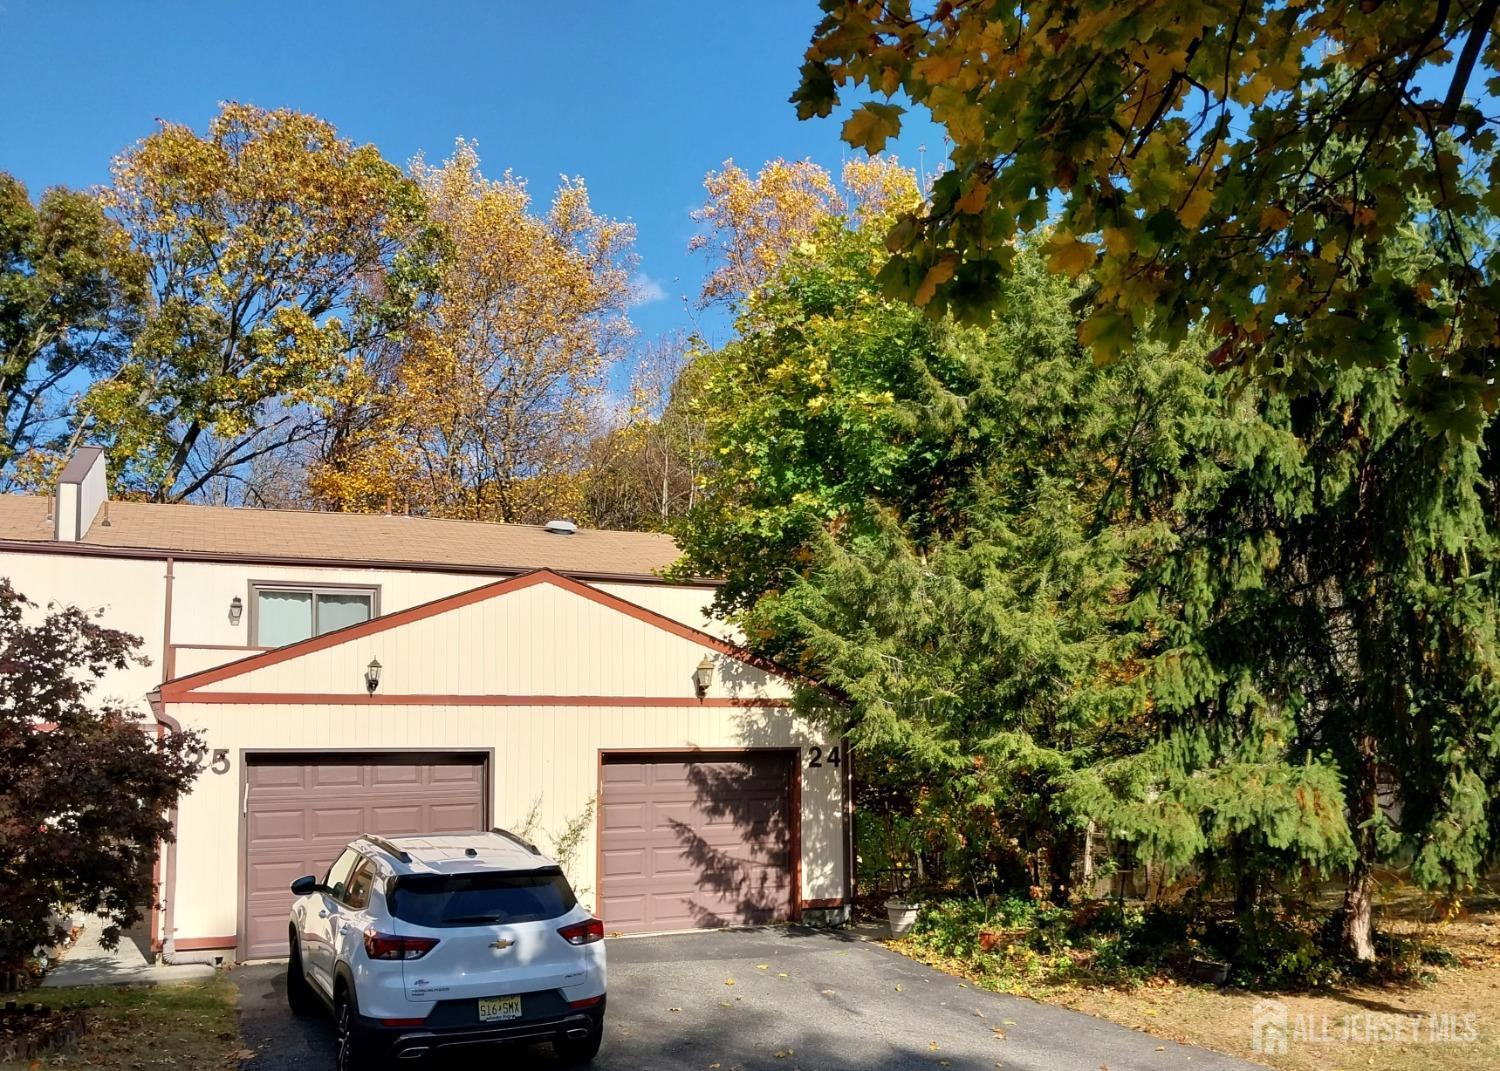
x=561, y=527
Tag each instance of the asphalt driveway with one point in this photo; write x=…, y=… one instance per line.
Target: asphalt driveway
x=780, y=1000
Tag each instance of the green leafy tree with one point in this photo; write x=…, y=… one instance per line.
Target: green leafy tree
x=71, y=295
x=1255, y=169
x=944, y=525
x=279, y=252
x=1250, y=631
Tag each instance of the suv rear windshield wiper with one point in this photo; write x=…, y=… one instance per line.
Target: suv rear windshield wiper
x=472, y=920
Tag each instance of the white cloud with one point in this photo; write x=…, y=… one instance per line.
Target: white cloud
x=645, y=290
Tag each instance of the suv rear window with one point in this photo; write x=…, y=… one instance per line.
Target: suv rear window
x=477, y=899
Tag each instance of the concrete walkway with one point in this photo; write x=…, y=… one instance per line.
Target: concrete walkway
x=90, y=963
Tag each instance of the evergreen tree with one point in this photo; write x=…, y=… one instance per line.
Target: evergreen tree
x=1325, y=643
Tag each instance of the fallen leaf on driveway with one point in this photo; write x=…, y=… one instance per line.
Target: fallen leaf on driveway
x=784, y=1053
x=1008, y=1022
x=932, y=1046
x=979, y=1013
x=729, y=981
x=762, y=966
x=828, y=992
x=713, y=1067
x=782, y=974
x=674, y=1009
x=999, y=1034
x=725, y=1004
x=898, y=989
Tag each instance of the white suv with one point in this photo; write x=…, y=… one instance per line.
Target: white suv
x=421, y=945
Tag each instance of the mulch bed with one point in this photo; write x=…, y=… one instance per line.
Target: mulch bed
x=27, y=1030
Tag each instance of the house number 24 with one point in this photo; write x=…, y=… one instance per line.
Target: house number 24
x=817, y=757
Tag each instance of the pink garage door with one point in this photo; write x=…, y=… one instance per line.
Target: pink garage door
x=301, y=810
x=689, y=844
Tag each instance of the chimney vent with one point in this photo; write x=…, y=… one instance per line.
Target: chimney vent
x=82, y=491
x=561, y=527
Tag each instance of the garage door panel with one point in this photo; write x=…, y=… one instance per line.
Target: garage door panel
x=453, y=774
x=338, y=775
x=273, y=776
x=396, y=821
x=397, y=775
x=336, y=822
x=300, y=812
x=690, y=844
x=278, y=825
x=623, y=817
x=454, y=818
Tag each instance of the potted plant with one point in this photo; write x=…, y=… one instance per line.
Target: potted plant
x=988, y=937
x=901, y=908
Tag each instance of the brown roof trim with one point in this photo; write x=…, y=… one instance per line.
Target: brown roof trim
x=359, y=699
x=96, y=550
x=182, y=689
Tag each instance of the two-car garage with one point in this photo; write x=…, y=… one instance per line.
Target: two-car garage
x=685, y=841
x=537, y=702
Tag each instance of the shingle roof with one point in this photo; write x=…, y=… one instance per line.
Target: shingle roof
x=423, y=542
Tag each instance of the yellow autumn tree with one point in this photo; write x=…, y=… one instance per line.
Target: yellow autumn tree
x=749, y=224
x=275, y=252
x=476, y=412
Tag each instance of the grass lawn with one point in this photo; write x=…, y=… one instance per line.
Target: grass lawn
x=1346, y=1028
x=186, y=1027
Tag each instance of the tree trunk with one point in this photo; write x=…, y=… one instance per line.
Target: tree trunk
x=1356, y=931
x=1246, y=878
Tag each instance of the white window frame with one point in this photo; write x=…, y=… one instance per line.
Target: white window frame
x=312, y=589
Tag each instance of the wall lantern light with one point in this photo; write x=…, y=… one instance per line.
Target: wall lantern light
x=372, y=675
x=703, y=676
x=236, y=609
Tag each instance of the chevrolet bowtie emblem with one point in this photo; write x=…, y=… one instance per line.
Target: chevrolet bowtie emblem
x=501, y=944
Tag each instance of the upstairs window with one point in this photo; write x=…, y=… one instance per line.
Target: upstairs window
x=287, y=613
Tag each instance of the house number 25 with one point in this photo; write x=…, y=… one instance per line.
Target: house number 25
x=817, y=757
x=217, y=761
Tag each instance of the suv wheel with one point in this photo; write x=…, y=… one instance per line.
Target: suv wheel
x=581, y=1050
x=299, y=994
x=353, y=1041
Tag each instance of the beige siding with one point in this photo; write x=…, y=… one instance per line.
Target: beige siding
x=542, y=755
x=203, y=591
x=538, y=641
x=131, y=593
x=690, y=605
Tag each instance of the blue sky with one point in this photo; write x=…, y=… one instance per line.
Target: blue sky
x=641, y=99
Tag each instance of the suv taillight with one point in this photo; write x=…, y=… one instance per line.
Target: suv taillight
x=583, y=933
x=389, y=946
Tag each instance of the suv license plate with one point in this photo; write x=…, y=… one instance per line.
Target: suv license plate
x=498, y=1009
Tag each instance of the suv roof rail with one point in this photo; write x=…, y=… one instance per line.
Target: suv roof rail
x=385, y=845
x=517, y=839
